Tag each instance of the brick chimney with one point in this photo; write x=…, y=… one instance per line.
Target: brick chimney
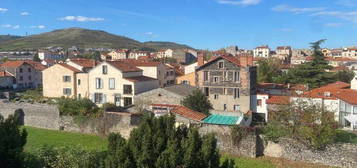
x=245, y=60
x=200, y=59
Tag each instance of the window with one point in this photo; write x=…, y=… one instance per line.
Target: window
x=98, y=83
x=216, y=96
x=236, y=76
x=98, y=98
x=79, y=96
x=127, y=101
x=66, y=78
x=236, y=108
x=224, y=107
x=30, y=78
x=29, y=69
x=79, y=82
x=105, y=69
x=20, y=70
x=216, y=79
x=220, y=64
x=205, y=75
x=67, y=91
x=111, y=83
x=206, y=91
x=355, y=110
x=185, y=82
x=21, y=78
x=259, y=102
x=236, y=93
x=348, y=108
x=127, y=89
x=224, y=91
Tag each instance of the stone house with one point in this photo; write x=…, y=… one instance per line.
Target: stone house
x=262, y=51
x=27, y=73
x=229, y=83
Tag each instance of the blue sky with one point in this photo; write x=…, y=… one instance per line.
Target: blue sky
x=205, y=24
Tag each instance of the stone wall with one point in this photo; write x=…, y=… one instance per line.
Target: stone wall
x=245, y=147
x=35, y=115
x=340, y=155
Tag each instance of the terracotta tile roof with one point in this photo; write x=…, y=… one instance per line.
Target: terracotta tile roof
x=328, y=91
x=86, y=63
x=188, y=113
x=279, y=100
x=37, y=65
x=5, y=73
x=229, y=58
x=140, y=62
x=124, y=67
x=347, y=95
x=310, y=58
x=15, y=64
x=139, y=78
x=70, y=67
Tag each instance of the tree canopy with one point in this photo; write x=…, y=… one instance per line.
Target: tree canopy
x=197, y=101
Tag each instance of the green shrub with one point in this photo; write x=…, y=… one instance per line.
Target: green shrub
x=78, y=107
x=274, y=130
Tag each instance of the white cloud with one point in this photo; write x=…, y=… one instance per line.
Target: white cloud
x=348, y=16
x=333, y=24
x=286, y=29
x=81, y=19
x=24, y=13
x=287, y=8
x=239, y=2
x=3, y=10
x=38, y=27
x=10, y=26
x=149, y=33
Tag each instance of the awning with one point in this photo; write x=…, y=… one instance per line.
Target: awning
x=352, y=119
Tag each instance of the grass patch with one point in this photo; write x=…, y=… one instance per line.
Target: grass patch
x=245, y=162
x=38, y=137
x=346, y=137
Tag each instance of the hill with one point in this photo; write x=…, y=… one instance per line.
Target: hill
x=82, y=38
x=4, y=38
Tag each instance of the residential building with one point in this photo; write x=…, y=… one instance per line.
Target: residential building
x=61, y=80
x=262, y=51
x=164, y=73
x=136, y=54
x=6, y=80
x=184, y=56
x=165, y=53
x=82, y=64
x=51, y=55
x=350, y=52
x=119, y=54
x=27, y=74
x=118, y=82
x=229, y=83
x=284, y=53
x=234, y=50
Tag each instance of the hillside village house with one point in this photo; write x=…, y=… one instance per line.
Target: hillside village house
x=166, y=53
x=338, y=97
x=82, y=63
x=27, y=73
x=6, y=80
x=283, y=53
x=262, y=51
x=51, y=55
x=118, y=54
x=164, y=73
x=349, y=52
x=189, y=76
x=229, y=83
x=136, y=54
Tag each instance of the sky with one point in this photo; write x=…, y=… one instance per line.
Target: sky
x=203, y=24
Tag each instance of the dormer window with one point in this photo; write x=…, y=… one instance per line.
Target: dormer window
x=221, y=64
x=105, y=69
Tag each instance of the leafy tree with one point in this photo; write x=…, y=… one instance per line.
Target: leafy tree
x=268, y=69
x=36, y=58
x=197, y=101
x=12, y=142
x=344, y=76
x=75, y=107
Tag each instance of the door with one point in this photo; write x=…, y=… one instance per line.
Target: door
x=117, y=98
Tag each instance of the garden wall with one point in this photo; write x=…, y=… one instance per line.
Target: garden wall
x=247, y=146
x=340, y=155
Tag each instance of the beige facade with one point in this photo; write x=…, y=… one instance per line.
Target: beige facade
x=119, y=54
x=168, y=53
x=262, y=51
x=59, y=81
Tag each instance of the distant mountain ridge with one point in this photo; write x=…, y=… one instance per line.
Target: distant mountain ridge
x=82, y=38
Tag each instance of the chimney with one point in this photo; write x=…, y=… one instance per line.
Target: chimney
x=250, y=60
x=243, y=59
x=200, y=59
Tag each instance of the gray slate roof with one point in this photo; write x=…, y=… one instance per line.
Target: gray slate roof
x=181, y=89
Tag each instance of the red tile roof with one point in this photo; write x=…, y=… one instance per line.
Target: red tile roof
x=331, y=89
x=140, y=62
x=86, y=63
x=70, y=67
x=38, y=66
x=12, y=64
x=5, y=73
x=279, y=100
x=188, y=113
x=124, y=67
x=347, y=95
x=15, y=64
x=139, y=78
x=229, y=58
